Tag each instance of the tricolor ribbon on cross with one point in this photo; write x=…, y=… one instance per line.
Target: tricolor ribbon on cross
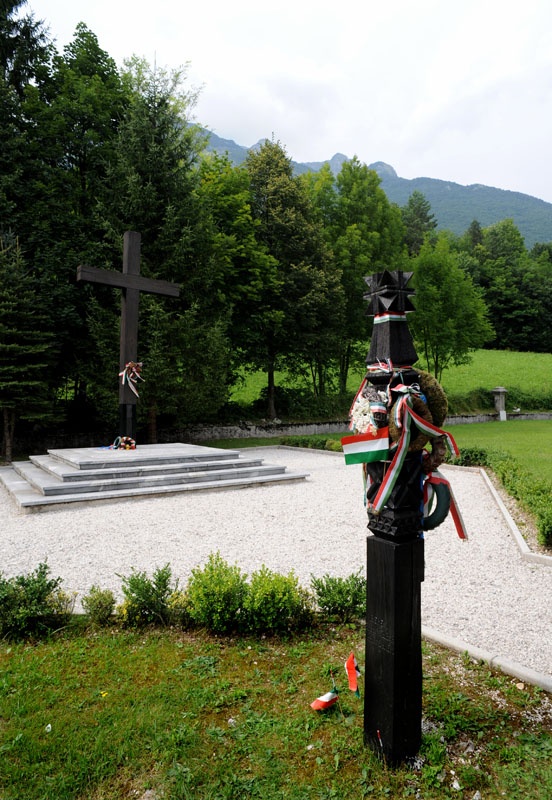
x=131, y=374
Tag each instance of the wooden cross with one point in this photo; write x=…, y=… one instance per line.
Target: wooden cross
x=132, y=283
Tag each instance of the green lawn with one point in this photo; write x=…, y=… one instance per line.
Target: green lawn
x=526, y=373
x=529, y=441
x=106, y=715
x=530, y=372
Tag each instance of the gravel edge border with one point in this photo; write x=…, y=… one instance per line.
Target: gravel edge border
x=526, y=553
x=496, y=661
x=505, y=665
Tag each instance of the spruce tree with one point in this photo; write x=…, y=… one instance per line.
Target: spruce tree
x=25, y=350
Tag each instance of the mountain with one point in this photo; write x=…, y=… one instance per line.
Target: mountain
x=453, y=205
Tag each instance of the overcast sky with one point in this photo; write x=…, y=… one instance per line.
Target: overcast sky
x=460, y=91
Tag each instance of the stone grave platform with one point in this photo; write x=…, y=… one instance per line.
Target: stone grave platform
x=86, y=474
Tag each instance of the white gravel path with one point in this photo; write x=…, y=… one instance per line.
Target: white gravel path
x=481, y=591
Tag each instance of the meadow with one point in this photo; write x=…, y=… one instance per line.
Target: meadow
x=526, y=376
x=167, y=715
x=528, y=441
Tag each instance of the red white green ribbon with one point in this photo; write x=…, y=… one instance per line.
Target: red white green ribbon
x=434, y=478
x=396, y=317
x=404, y=416
x=131, y=375
x=381, y=366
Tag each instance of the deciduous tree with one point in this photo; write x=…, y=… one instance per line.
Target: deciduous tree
x=451, y=319
x=365, y=233
x=300, y=307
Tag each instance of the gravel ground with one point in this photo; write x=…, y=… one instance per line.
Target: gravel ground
x=481, y=591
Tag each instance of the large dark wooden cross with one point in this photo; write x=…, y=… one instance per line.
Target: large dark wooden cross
x=132, y=283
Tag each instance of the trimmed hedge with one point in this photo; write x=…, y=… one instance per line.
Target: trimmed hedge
x=217, y=597
x=533, y=495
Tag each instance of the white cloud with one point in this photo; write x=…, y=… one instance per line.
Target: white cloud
x=454, y=91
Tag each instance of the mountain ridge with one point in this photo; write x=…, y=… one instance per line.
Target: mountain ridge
x=454, y=205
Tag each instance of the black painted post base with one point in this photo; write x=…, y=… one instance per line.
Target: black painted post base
x=393, y=684
x=127, y=420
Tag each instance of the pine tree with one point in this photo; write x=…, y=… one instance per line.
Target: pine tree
x=418, y=222
x=25, y=349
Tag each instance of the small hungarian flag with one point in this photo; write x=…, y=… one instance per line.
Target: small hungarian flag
x=325, y=701
x=365, y=447
x=353, y=673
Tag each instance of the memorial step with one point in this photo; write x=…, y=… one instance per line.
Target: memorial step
x=46, y=484
x=82, y=474
x=67, y=472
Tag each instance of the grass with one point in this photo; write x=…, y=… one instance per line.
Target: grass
x=523, y=374
x=530, y=372
x=109, y=715
x=528, y=441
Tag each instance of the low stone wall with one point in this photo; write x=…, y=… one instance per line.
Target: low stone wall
x=243, y=430
x=250, y=430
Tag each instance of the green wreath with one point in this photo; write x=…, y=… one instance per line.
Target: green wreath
x=439, y=506
x=434, y=411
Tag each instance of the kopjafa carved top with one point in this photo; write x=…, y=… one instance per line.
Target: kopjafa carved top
x=389, y=302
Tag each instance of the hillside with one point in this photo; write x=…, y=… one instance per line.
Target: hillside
x=454, y=206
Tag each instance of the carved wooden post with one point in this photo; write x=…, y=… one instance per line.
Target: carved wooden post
x=395, y=551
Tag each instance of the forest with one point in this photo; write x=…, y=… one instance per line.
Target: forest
x=271, y=265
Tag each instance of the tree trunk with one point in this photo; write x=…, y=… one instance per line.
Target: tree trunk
x=152, y=424
x=344, y=363
x=271, y=394
x=9, y=429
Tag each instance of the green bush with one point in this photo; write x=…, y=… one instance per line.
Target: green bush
x=472, y=402
x=276, y=603
x=532, y=495
x=300, y=403
x=99, y=604
x=179, y=609
x=472, y=457
x=31, y=604
x=342, y=599
x=216, y=594
x=312, y=443
x=146, y=599
x=304, y=441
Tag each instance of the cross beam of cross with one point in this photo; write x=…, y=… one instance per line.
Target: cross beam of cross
x=131, y=283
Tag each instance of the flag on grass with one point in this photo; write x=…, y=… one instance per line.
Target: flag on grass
x=365, y=447
x=353, y=673
x=325, y=701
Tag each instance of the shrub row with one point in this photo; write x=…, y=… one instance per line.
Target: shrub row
x=532, y=494
x=312, y=443
x=217, y=597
